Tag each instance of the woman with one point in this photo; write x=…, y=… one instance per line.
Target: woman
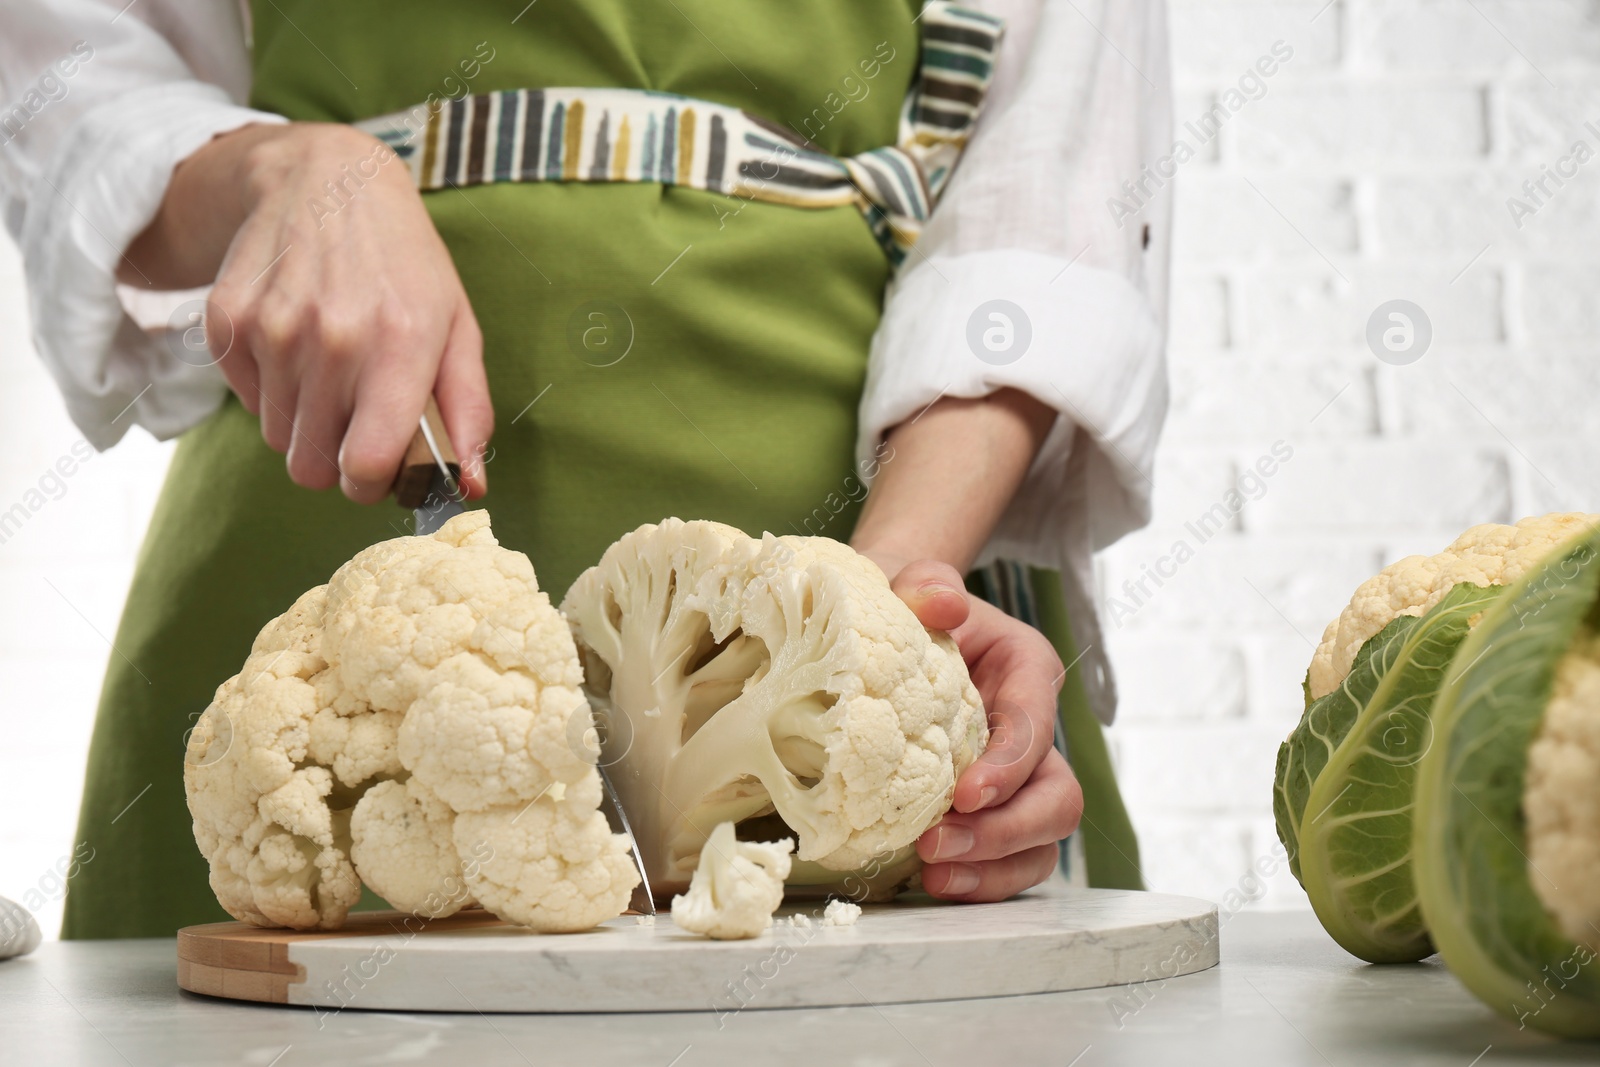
x=605, y=352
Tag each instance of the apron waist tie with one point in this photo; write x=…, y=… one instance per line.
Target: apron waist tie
x=639, y=135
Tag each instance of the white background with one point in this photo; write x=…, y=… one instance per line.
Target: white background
x=1375, y=167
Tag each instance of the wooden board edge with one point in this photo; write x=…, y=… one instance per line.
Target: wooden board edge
x=260, y=986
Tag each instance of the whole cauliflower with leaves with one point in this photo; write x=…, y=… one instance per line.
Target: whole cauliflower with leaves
x=416, y=724
x=776, y=684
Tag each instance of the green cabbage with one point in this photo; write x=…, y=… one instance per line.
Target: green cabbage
x=1470, y=859
x=1345, y=779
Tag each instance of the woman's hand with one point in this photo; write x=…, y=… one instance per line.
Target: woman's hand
x=336, y=308
x=1019, y=798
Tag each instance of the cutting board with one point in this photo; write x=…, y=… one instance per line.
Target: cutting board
x=907, y=951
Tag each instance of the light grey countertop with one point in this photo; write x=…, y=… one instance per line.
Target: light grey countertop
x=1284, y=994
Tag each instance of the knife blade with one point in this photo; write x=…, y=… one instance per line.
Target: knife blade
x=429, y=483
x=642, y=901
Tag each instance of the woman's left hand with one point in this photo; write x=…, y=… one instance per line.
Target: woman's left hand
x=1019, y=798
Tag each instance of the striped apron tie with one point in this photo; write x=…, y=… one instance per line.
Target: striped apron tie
x=637, y=135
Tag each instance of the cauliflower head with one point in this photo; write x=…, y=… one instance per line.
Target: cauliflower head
x=777, y=684
x=1487, y=555
x=1561, y=797
x=736, y=887
x=387, y=729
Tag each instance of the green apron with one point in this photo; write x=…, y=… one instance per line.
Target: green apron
x=746, y=338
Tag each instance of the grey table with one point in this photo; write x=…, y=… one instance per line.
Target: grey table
x=1285, y=994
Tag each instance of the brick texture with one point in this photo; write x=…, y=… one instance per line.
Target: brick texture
x=1377, y=166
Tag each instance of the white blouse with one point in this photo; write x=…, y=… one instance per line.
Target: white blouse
x=104, y=98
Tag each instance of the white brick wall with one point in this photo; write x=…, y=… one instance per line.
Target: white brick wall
x=1376, y=167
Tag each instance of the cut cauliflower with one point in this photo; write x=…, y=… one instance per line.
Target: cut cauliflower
x=411, y=723
x=1490, y=554
x=736, y=887
x=776, y=683
x=1561, y=797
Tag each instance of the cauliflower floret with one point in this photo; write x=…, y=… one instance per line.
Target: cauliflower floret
x=740, y=679
x=736, y=887
x=552, y=864
x=840, y=913
x=430, y=677
x=1490, y=554
x=278, y=854
x=405, y=849
x=1561, y=796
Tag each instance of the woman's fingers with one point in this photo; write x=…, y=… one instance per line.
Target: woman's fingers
x=1046, y=809
x=388, y=406
x=982, y=883
x=996, y=854
x=1019, y=674
x=337, y=339
x=934, y=592
x=463, y=395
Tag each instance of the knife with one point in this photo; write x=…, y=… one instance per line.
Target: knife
x=429, y=483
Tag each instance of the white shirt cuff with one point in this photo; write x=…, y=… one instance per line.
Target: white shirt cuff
x=1081, y=340
x=113, y=170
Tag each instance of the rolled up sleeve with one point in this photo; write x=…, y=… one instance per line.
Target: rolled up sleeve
x=1044, y=269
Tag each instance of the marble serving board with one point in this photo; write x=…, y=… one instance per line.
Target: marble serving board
x=911, y=950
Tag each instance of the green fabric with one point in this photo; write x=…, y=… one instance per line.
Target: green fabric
x=736, y=400
x=1110, y=848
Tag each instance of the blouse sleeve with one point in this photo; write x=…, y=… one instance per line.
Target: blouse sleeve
x=1044, y=269
x=105, y=99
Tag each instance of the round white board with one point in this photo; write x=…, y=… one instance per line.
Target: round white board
x=907, y=951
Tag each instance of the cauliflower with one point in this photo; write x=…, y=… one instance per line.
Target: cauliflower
x=775, y=683
x=410, y=725
x=840, y=913
x=737, y=885
x=1561, y=797
x=1486, y=555
x=19, y=934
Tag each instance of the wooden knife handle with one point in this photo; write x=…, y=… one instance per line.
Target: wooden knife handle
x=416, y=470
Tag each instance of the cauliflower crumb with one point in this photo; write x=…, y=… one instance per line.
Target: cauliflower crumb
x=801, y=921
x=1561, y=796
x=1485, y=555
x=644, y=920
x=840, y=913
x=736, y=887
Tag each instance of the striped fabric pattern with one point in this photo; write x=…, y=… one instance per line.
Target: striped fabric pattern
x=638, y=135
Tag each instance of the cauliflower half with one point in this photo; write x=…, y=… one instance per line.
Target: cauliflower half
x=1485, y=555
x=736, y=887
x=777, y=684
x=416, y=724
x=1561, y=796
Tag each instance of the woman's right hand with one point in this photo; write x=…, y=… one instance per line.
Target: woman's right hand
x=336, y=308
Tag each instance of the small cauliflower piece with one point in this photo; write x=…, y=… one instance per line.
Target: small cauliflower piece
x=1485, y=555
x=428, y=682
x=840, y=913
x=778, y=680
x=736, y=887
x=1561, y=796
